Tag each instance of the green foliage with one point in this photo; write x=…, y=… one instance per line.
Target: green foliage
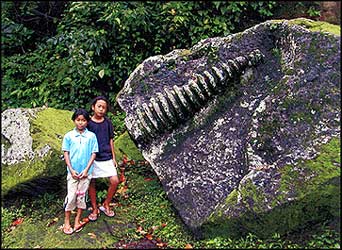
x=313, y=12
x=101, y=195
x=8, y=215
x=24, y=24
x=96, y=45
x=14, y=34
x=118, y=120
x=327, y=238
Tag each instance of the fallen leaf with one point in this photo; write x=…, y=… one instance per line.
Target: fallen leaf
x=141, y=230
x=162, y=244
x=17, y=221
x=149, y=179
x=92, y=235
x=122, y=190
x=188, y=246
x=52, y=222
x=122, y=177
x=149, y=236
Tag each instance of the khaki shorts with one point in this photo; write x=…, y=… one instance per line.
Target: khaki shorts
x=77, y=190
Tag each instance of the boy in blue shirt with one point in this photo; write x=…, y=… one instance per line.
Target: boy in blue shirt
x=80, y=147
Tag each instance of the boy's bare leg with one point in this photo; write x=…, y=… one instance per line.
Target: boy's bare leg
x=78, y=217
x=67, y=220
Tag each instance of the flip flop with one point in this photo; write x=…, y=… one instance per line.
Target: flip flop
x=109, y=213
x=79, y=227
x=93, y=217
x=68, y=231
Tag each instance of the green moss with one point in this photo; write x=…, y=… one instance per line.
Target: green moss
x=317, y=25
x=48, y=128
x=318, y=199
x=185, y=54
x=323, y=168
x=125, y=145
x=13, y=175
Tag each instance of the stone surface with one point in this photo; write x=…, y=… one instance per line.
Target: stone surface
x=235, y=110
x=31, y=142
x=15, y=132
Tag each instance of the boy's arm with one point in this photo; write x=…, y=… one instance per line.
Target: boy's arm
x=90, y=162
x=68, y=163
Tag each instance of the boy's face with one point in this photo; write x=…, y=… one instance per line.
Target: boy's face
x=100, y=108
x=80, y=122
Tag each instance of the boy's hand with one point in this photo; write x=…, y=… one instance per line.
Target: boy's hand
x=84, y=174
x=74, y=174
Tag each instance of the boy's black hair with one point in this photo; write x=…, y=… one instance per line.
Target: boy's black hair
x=101, y=97
x=79, y=112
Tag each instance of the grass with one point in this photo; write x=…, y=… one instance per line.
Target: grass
x=144, y=219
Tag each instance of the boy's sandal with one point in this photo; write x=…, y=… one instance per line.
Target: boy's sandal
x=109, y=213
x=79, y=227
x=93, y=217
x=68, y=231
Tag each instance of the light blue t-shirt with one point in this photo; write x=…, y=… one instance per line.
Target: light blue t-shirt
x=80, y=148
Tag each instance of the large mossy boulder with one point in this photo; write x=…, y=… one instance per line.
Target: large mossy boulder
x=244, y=131
x=31, y=142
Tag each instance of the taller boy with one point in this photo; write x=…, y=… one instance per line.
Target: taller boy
x=105, y=163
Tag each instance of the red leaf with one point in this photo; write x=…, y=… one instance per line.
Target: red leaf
x=188, y=246
x=148, y=179
x=122, y=177
x=149, y=236
x=17, y=221
x=162, y=244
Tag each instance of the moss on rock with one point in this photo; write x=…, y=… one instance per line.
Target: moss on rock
x=47, y=131
x=317, y=193
x=125, y=145
x=317, y=25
